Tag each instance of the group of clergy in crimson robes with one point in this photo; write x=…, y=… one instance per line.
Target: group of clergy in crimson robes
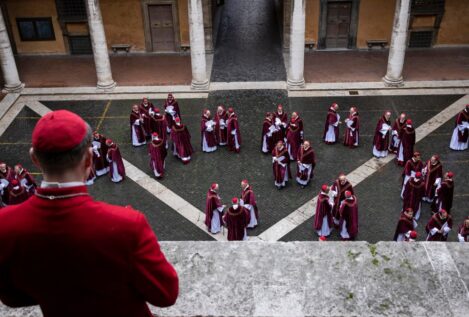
x=106, y=159
x=337, y=207
x=222, y=130
x=16, y=184
x=242, y=215
x=352, y=129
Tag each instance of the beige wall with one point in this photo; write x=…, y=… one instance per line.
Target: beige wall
x=31, y=9
x=454, y=27
x=183, y=22
x=312, y=21
x=123, y=23
x=375, y=19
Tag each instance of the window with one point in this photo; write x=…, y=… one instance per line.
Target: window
x=36, y=29
x=71, y=10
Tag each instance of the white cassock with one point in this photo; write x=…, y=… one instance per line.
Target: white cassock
x=304, y=167
x=96, y=146
x=265, y=147
x=455, y=144
x=330, y=134
x=209, y=128
x=215, y=225
x=135, y=141
x=384, y=130
x=252, y=213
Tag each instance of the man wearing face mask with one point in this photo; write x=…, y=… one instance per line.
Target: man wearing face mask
x=61, y=247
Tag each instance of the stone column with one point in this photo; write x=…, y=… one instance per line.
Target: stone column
x=197, y=42
x=398, y=44
x=99, y=44
x=10, y=72
x=297, y=45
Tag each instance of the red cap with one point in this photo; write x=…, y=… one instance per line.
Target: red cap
x=324, y=187
x=214, y=185
x=437, y=157
x=413, y=234
x=450, y=174
x=154, y=134
x=14, y=182
x=177, y=119
x=443, y=210
x=245, y=181
x=230, y=110
x=322, y=238
x=108, y=141
x=59, y=131
x=234, y=200
x=348, y=193
x=280, y=106
x=408, y=121
x=334, y=104
x=157, y=110
x=418, y=174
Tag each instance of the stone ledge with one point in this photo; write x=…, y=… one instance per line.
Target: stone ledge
x=315, y=279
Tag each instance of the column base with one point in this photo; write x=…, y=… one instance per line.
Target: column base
x=110, y=86
x=200, y=85
x=292, y=84
x=13, y=88
x=393, y=82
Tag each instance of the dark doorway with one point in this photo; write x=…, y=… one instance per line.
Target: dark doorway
x=161, y=27
x=248, y=46
x=338, y=24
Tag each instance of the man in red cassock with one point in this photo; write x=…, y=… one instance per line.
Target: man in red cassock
x=305, y=164
x=405, y=150
x=381, y=138
x=352, y=130
x=405, y=225
x=268, y=128
x=220, y=126
x=433, y=172
x=463, y=232
x=146, y=109
x=444, y=194
x=74, y=249
x=396, y=132
x=248, y=201
x=16, y=193
x=413, y=193
x=338, y=189
x=331, y=128
x=348, y=222
x=460, y=137
x=25, y=178
x=171, y=108
x=412, y=166
x=281, y=165
x=282, y=116
x=295, y=135
x=137, y=133
x=207, y=132
x=157, y=153
x=100, y=163
x=116, y=164
x=182, y=147
x=323, y=222
x=439, y=226
x=7, y=174
x=213, y=210
x=236, y=221
x=158, y=125
x=234, y=134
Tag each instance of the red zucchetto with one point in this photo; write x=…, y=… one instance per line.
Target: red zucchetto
x=59, y=131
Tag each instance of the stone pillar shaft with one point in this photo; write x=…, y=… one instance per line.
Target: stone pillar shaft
x=297, y=45
x=398, y=44
x=197, y=42
x=99, y=45
x=7, y=60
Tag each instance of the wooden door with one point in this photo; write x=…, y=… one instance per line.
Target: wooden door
x=338, y=24
x=161, y=27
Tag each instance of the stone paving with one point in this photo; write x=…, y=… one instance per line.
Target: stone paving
x=191, y=182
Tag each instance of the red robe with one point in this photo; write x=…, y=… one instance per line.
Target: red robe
x=212, y=203
x=413, y=194
x=55, y=252
x=99, y=155
x=145, y=113
x=249, y=198
x=438, y=223
x=282, y=116
x=220, y=127
x=307, y=157
x=234, y=140
x=380, y=140
x=210, y=136
x=340, y=190
x=403, y=226
x=405, y=150
x=281, y=166
x=432, y=172
x=464, y=232
x=323, y=209
x=17, y=195
x=412, y=167
x=352, y=130
x=171, y=107
x=157, y=152
x=444, y=196
x=27, y=181
x=397, y=127
x=8, y=176
x=137, y=132
x=294, y=137
x=267, y=141
x=331, y=120
x=159, y=125
x=463, y=116
x=115, y=161
x=236, y=220
x=182, y=147
x=349, y=218
x=281, y=133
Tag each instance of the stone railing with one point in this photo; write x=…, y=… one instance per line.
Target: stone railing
x=315, y=279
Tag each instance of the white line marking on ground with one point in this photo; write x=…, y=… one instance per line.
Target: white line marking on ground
x=10, y=115
x=306, y=211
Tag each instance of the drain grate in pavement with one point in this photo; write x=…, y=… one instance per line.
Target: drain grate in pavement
x=353, y=92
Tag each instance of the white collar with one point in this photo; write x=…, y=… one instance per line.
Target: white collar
x=45, y=184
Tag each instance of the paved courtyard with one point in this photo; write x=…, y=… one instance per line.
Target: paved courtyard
x=378, y=194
